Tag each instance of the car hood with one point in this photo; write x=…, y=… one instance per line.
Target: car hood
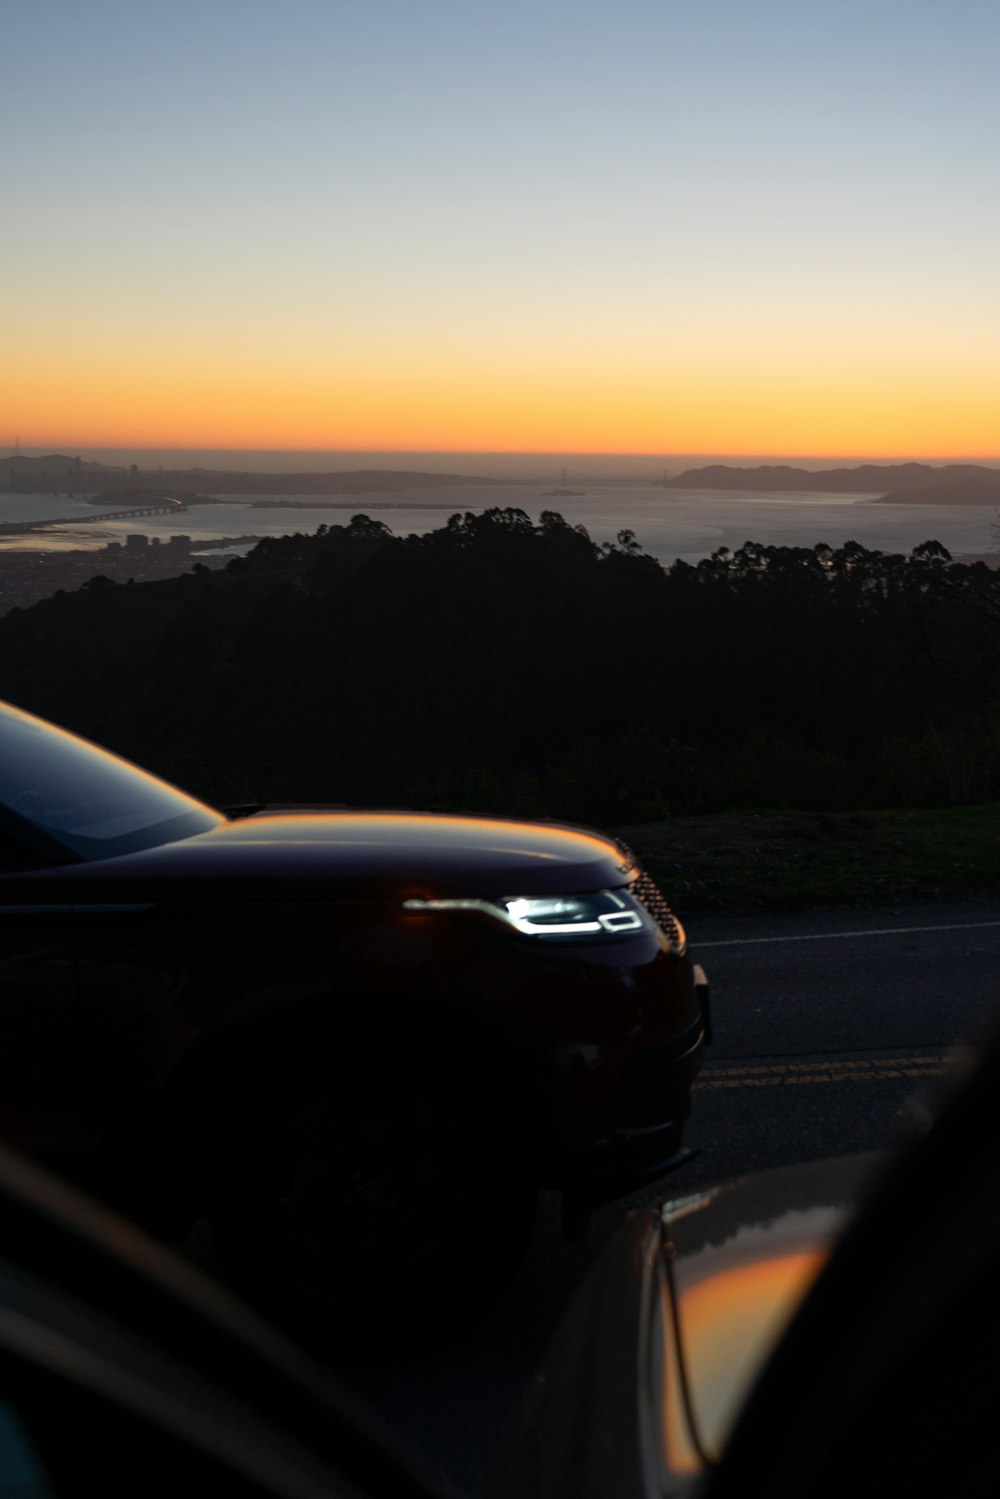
x=742, y=1258
x=367, y=853
x=607, y=1413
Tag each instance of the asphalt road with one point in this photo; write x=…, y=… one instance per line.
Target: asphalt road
x=827, y=1027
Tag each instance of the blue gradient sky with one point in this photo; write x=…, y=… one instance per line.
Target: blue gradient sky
x=710, y=227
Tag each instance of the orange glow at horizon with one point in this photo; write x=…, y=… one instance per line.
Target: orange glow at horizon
x=351, y=234
x=283, y=400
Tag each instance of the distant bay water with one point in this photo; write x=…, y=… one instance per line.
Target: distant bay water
x=669, y=523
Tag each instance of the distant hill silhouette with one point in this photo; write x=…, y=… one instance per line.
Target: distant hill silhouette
x=977, y=491
x=866, y=478
x=58, y=471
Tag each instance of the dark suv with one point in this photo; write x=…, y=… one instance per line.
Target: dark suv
x=346, y=1038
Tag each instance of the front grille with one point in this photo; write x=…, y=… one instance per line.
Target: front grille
x=648, y=895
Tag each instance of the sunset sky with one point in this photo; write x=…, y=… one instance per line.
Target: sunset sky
x=732, y=226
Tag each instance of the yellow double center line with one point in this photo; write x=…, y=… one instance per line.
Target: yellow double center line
x=795, y=1074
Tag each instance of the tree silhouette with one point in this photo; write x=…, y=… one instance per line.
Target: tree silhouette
x=500, y=663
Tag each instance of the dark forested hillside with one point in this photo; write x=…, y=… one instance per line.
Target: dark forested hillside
x=501, y=665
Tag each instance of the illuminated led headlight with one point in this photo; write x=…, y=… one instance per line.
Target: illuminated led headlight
x=606, y=913
x=563, y=915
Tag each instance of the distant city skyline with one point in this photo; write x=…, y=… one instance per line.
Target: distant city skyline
x=722, y=232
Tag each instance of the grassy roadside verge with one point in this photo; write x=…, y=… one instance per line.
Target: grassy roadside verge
x=765, y=861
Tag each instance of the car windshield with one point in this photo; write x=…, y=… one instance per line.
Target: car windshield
x=88, y=800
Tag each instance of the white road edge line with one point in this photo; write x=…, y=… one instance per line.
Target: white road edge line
x=885, y=931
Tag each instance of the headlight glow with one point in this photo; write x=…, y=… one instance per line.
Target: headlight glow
x=606, y=913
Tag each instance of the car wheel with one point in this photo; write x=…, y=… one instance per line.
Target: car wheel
x=387, y=1202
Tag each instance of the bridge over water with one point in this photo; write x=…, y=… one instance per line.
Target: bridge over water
x=160, y=507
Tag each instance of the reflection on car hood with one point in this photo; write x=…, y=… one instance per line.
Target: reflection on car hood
x=366, y=851
x=746, y=1254
x=606, y=1414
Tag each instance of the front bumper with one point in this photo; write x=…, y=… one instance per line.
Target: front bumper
x=656, y=1084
